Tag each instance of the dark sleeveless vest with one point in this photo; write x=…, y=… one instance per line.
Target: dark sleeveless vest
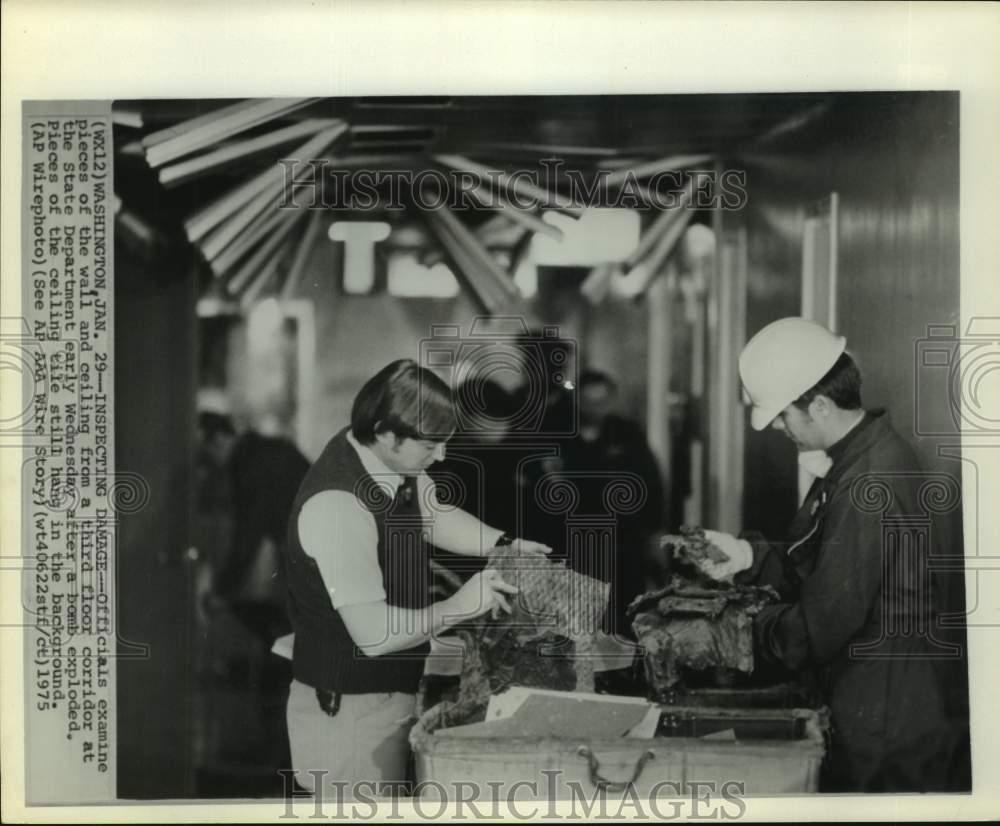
x=325, y=656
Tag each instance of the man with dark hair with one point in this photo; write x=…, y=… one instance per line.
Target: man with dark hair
x=841, y=384
x=359, y=579
x=845, y=591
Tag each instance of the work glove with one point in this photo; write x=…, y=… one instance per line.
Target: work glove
x=739, y=555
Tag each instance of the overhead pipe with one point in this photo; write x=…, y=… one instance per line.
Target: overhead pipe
x=197, y=133
x=259, y=189
x=619, y=162
x=526, y=219
x=390, y=160
x=221, y=258
x=306, y=243
x=368, y=128
x=505, y=181
x=265, y=223
x=126, y=117
x=162, y=135
x=674, y=163
x=488, y=294
x=140, y=229
x=647, y=196
x=495, y=223
x=660, y=226
x=486, y=232
x=132, y=149
x=469, y=240
x=244, y=221
x=651, y=266
x=270, y=180
x=669, y=241
x=493, y=232
x=263, y=278
x=794, y=123
x=502, y=236
x=553, y=150
x=597, y=283
x=464, y=267
x=183, y=171
x=238, y=281
x=467, y=260
x=383, y=149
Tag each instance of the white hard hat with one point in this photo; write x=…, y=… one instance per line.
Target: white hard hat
x=782, y=362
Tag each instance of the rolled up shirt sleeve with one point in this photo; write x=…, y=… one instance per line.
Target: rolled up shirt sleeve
x=343, y=539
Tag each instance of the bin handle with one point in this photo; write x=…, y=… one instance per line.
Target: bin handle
x=603, y=783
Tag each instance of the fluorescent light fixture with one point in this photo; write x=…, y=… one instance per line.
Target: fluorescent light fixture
x=408, y=278
x=599, y=236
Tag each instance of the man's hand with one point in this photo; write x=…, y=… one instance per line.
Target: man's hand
x=485, y=592
x=739, y=555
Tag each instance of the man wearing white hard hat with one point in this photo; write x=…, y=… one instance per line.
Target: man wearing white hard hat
x=837, y=581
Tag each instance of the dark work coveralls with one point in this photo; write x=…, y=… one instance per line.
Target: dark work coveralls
x=856, y=618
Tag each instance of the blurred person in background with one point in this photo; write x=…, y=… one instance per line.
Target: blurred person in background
x=263, y=474
x=479, y=471
x=609, y=444
x=246, y=484
x=544, y=407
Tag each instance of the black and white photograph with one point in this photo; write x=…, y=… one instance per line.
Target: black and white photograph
x=586, y=454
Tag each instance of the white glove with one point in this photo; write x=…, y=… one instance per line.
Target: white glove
x=738, y=551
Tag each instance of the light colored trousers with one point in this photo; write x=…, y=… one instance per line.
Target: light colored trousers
x=367, y=740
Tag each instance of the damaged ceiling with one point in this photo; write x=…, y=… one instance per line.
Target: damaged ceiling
x=211, y=166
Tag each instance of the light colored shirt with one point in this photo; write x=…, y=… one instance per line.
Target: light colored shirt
x=338, y=532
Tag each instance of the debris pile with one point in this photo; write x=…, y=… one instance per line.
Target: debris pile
x=545, y=642
x=695, y=623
